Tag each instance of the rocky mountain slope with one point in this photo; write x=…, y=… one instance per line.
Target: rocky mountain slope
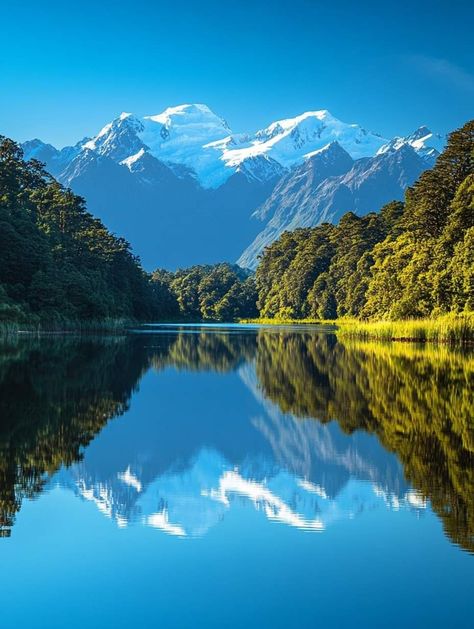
x=306, y=197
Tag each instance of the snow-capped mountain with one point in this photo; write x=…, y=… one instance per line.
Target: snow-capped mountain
x=195, y=137
x=426, y=143
x=293, y=140
x=179, y=135
x=182, y=176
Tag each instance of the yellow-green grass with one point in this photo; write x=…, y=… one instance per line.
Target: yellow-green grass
x=451, y=328
x=280, y=321
x=439, y=353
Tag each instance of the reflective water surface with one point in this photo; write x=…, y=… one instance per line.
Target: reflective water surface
x=193, y=476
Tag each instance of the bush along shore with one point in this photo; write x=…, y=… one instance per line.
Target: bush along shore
x=58, y=326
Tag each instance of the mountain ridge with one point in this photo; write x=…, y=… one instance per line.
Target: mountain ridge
x=183, y=177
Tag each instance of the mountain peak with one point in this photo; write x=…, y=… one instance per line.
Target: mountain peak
x=193, y=137
x=195, y=113
x=427, y=144
x=421, y=132
x=291, y=123
x=292, y=140
x=330, y=149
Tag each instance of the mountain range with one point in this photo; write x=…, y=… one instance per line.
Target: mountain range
x=184, y=189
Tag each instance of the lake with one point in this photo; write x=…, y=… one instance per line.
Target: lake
x=227, y=476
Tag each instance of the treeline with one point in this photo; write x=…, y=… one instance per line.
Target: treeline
x=220, y=292
x=58, y=262
x=411, y=260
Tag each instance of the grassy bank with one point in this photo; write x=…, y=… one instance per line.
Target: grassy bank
x=276, y=321
x=453, y=329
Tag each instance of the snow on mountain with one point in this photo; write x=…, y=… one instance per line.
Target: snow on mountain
x=120, y=139
x=195, y=137
x=151, y=171
x=260, y=168
x=191, y=180
x=178, y=136
x=292, y=140
x=426, y=143
x=192, y=140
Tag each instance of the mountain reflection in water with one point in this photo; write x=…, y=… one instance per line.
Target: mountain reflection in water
x=291, y=422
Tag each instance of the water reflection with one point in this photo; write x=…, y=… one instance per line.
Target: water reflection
x=305, y=429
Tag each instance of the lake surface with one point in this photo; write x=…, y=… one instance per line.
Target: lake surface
x=192, y=476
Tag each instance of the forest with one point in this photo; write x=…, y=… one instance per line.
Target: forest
x=58, y=262
x=412, y=259
x=219, y=292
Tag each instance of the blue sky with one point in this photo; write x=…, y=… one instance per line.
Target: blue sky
x=68, y=67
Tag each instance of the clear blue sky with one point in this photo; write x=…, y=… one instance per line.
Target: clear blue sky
x=67, y=67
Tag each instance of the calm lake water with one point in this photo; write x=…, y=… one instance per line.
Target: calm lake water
x=199, y=476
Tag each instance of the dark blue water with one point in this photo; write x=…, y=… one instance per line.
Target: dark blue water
x=235, y=478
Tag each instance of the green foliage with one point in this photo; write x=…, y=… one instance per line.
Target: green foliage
x=411, y=260
x=321, y=272
x=220, y=292
x=58, y=262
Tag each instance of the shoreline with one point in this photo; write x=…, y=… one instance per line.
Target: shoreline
x=449, y=329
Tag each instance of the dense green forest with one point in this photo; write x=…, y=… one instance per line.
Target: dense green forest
x=56, y=260
x=410, y=260
x=220, y=292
